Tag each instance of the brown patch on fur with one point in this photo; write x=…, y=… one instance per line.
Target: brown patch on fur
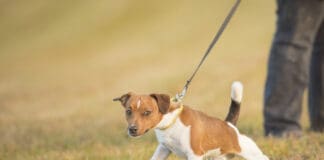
x=208, y=133
x=163, y=102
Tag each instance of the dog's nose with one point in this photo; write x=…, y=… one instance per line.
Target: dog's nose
x=132, y=129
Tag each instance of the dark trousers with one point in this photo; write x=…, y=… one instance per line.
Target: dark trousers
x=296, y=61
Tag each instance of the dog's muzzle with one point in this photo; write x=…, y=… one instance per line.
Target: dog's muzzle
x=132, y=130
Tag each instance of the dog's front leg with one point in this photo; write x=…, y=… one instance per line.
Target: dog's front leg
x=161, y=153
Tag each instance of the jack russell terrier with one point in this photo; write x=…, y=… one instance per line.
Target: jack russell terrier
x=188, y=133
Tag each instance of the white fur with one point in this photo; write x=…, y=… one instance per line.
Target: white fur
x=161, y=153
x=214, y=154
x=237, y=91
x=168, y=119
x=176, y=139
x=138, y=104
x=249, y=150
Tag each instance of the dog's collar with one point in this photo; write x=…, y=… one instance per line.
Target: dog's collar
x=173, y=118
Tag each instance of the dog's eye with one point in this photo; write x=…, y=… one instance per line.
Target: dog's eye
x=129, y=112
x=146, y=113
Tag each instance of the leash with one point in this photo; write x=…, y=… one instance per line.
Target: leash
x=180, y=96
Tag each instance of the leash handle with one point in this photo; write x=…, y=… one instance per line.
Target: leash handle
x=180, y=96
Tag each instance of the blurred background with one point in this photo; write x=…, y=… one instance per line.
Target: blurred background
x=62, y=62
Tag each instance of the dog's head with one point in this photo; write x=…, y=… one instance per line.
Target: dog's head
x=143, y=112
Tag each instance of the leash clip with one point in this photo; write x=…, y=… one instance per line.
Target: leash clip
x=179, y=96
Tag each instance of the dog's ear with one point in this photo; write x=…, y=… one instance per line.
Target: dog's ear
x=124, y=98
x=163, y=102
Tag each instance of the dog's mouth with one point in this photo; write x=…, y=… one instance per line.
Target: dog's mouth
x=133, y=134
x=136, y=134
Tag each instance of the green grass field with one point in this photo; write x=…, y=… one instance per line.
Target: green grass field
x=62, y=63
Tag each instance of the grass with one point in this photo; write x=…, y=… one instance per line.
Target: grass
x=62, y=62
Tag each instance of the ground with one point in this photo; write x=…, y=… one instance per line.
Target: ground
x=62, y=63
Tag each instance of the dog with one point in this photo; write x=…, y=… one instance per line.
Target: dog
x=188, y=133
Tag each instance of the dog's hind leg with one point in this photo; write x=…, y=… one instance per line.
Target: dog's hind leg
x=249, y=150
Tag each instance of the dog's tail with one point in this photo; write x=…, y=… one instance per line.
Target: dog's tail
x=236, y=98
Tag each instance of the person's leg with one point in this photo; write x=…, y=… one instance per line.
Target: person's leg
x=288, y=68
x=316, y=86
